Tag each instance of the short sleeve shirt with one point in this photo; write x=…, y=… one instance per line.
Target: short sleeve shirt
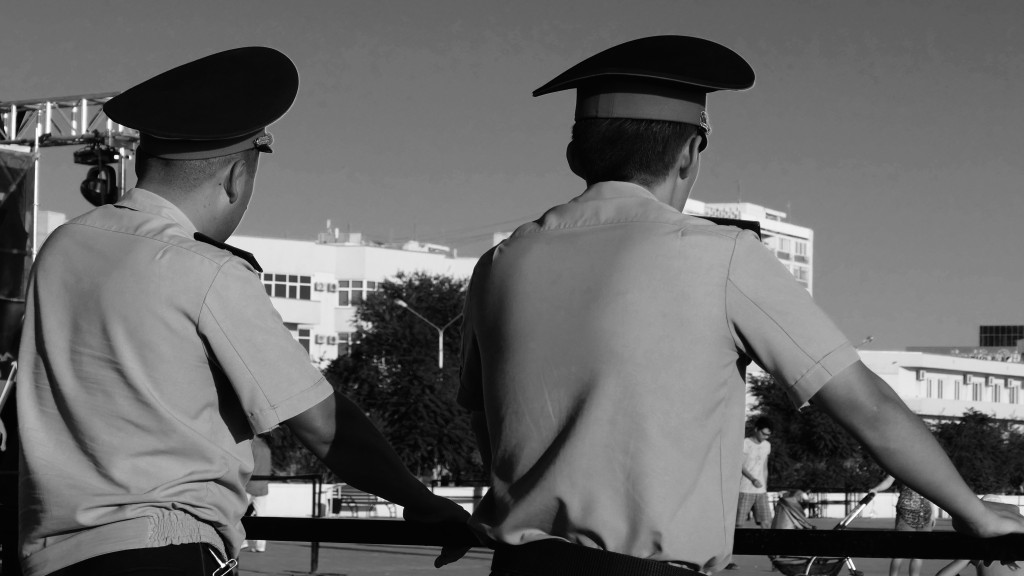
x=606, y=345
x=148, y=362
x=755, y=461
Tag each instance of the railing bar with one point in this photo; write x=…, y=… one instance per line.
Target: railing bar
x=831, y=543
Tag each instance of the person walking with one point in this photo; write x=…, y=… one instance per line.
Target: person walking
x=754, y=478
x=914, y=513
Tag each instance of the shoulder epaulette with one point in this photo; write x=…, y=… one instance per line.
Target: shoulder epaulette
x=247, y=256
x=752, y=225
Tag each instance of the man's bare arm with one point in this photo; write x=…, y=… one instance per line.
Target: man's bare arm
x=483, y=437
x=339, y=433
x=864, y=405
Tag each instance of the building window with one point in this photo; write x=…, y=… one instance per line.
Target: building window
x=291, y=286
x=939, y=388
x=1014, y=395
x=976, y=391
x=997, y=394
x=1000, y=335
x=800, y=252
x=784, y=249
x=353, y=292
x=957, y=385
x=300, y=334
x=930, y=390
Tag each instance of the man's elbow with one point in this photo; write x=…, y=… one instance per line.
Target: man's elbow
x=315, y=427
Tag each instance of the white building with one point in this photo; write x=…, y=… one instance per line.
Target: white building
x=793, y=245
x=316, y=285
x=941, y=387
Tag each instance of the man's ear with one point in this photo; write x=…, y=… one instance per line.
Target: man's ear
x=233, y=180
x=689, y=156
x=570, y=156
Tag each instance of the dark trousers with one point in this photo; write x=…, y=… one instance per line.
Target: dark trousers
x=559, y=558
x=177, y=560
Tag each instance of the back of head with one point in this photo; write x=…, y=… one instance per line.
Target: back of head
x=627, y=150
x=185, y=176
x=638, y=103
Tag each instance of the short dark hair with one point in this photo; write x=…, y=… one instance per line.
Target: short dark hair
x=188, y=174
x=763, y=422
x=627, y=150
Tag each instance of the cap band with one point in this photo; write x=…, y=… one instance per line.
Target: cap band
x=174, y=149
x=639, y=107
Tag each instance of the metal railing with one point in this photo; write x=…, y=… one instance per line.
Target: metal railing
x=841, y=543
x=847, y=543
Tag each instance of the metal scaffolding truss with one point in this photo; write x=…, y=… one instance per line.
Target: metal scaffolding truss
x=63, y=121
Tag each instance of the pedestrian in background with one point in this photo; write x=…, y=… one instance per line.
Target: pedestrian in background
x=914, y=513
x=754, y=478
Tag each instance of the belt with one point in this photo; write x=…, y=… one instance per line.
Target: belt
x=552, y=557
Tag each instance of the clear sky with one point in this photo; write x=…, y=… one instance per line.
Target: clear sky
x=894, y=129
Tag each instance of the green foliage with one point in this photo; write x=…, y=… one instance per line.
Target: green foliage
x=985, y=451
x=809, y=450
x=392, y=373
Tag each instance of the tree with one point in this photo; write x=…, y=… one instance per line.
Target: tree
x=392, y=373
x=984, y=451
x=809, y=450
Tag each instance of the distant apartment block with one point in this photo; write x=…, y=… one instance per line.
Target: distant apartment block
x=793, y=245
x=317, y=285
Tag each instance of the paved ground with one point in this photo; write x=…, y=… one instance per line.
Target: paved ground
x=293, y=558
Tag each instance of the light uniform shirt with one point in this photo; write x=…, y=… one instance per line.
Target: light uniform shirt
x=148, y=361
x=755, y=461
x=606, y=344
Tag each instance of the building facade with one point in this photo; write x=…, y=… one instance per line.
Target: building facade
x=942, y=386
x=793, y=245
x=317, y=285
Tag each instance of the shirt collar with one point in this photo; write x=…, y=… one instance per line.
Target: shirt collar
x=614, y=189
x=150, y=203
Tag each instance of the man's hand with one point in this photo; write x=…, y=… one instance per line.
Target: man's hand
x=756, y=483
x=437, y=509
x=3, y=437
x=998, y=519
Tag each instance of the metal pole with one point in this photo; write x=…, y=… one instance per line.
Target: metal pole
x=314, y=548
x=35, y=192
x=440, y=349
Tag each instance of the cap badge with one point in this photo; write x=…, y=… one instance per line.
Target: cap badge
x=704, y=123
x=263, y=142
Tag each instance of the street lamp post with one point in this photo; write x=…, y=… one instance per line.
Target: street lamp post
x=440, y=329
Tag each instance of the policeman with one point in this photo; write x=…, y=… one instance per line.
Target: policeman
x=605, y=345
x=152, y=355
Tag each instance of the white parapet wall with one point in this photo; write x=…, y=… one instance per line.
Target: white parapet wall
x=296, y=501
